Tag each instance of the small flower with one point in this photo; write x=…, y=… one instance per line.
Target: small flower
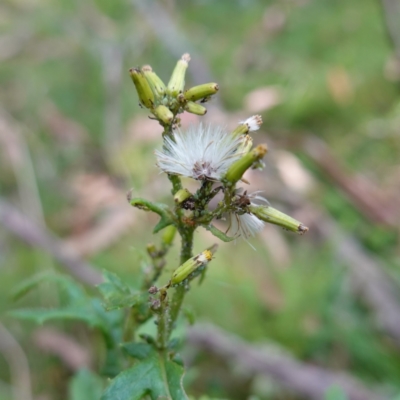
x=253, y=123
x=200, y=153
x=249, y=125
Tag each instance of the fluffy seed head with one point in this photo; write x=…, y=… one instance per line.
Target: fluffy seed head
x=200, y=153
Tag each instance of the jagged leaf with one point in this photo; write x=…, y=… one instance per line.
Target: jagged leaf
x=117, y=294
x=219, y=234
x=155, y=376
x=85, y=385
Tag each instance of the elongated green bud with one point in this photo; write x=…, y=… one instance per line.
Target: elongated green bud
x=195, y=108
x=168, y=235
x=201, y=91
x=239, y=167
x=191, y=268
x=146, y=95
x=163, y=114
x=177, y=82
x=274, y=216
x=155, y=82
x=181, y=195
x=249, y=125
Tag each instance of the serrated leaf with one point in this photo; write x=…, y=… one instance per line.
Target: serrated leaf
x=85, y=385
x=219, y=234
x=154, y=376
x=138, y=350
x=117, y=294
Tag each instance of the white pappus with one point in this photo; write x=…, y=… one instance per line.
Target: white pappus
x=200, y=153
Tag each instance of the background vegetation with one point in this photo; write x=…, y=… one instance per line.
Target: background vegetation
x=325, y=75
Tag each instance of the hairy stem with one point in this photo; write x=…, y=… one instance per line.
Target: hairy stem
x=162, y=327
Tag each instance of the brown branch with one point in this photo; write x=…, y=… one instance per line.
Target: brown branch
x=362, y=193
x=310, y=381
x=368, y=273
x=38, y=236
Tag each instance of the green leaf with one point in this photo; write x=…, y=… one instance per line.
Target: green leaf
x=74, y=291
x=189, y=314
x=117, y=294
x=79, y=305
x=159, y=208
x=138, y=350
x=219, y=234
x=42, y=315
x=155, y=376
x=162, y=223
x=85, y=385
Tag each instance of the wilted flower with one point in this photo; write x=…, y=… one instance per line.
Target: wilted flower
x=200, y=153
x=242, y=223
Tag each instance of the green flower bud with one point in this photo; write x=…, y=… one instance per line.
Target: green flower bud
x=146, y=95
x=239, y=167
x=274, y=216
x=181, y=195
x=151, y=249
x=163, y=114
x=155, y=82
x=168, y=235
x=249, y=125
x=177, y=82
x=202, y=91
x=195, y=108
x=191, y=268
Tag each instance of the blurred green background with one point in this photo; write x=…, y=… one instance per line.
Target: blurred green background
x=325, y=76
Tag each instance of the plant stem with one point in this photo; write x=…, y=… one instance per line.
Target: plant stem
x=162, y=327
x=179, y=294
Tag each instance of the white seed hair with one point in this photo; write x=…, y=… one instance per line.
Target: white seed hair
x=199, y=153
x=244, y=225
x=253, y=123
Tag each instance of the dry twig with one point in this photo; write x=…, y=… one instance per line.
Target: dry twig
x=308, y=380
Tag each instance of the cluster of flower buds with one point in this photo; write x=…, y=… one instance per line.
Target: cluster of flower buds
x=165, y=102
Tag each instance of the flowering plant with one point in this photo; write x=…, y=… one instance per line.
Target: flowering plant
x=142, y=365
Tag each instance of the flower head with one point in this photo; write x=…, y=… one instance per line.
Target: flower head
x=243, y=223
x=253, y=123
x=200, y=153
